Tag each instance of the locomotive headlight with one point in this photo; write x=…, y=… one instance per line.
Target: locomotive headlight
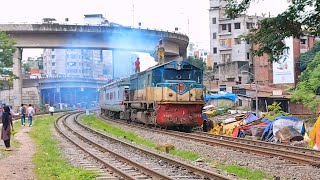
x=170, y=85
x=170, y=94
x=191, y=86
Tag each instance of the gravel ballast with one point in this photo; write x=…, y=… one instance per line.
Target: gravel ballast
x=271, y=165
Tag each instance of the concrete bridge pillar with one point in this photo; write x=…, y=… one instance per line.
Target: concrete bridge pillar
x=17, y=83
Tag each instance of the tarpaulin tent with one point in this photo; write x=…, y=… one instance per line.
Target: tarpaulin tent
x=250, y=118
x=279, y=122
x=232, y=97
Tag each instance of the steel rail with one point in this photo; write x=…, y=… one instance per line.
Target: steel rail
x=203, y=172
x=144, y=169
x=274, y=150
x=116, y=170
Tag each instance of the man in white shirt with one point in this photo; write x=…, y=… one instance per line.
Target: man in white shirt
x=30, y=113
x=51, y=110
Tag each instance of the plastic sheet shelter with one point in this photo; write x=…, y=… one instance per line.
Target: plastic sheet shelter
x=279, y=122
x=232, y=97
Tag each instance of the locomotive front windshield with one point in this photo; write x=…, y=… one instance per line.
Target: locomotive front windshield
x=172, y=74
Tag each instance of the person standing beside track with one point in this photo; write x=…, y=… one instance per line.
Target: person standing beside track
x=30, y=112
x=7, y=126
x=51, y=110
x=22, y=112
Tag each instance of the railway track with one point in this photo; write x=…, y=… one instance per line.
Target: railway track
x=124, y=159
x=293, y=154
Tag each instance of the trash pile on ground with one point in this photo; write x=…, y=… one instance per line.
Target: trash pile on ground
x=243, y=124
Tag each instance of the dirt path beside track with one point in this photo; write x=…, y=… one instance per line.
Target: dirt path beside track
x=18, y=164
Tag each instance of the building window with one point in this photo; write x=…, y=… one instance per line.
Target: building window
x=237, y=26
x=303, y=41
x=214, y=35
x=222, y=88
x=52, y=56
x=240, y=102
x=248, y=55
x=248, y=42
x=237, y=41
x=53, y=64
x=52, y=49
x=226, y=58
x=224, y=27
x=214, y=20
x=250, y=25
x=215, y=50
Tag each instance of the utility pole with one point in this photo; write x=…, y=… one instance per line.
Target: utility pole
x=132, y=13
x=256, y=91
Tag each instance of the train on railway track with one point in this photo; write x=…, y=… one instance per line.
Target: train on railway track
x=168, y=95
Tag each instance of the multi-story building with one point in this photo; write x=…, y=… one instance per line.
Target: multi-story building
x=199, y=53
x=229, y=54
x=84, y=63
x=95, y=19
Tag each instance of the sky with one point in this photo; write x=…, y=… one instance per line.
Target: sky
x=190, y=16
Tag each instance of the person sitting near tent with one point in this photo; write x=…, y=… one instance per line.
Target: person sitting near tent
x=204, y=124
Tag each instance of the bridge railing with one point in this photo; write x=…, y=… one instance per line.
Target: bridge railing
x=99, y=25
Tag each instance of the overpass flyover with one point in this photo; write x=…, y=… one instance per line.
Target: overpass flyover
x=87, y=36
x=63, y=90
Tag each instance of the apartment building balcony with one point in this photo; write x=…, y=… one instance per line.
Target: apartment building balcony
x=225, y=33
x=225, y=48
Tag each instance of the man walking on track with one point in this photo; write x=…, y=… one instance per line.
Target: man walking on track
x=137, y=64
x=22, y=112
x=30, y=112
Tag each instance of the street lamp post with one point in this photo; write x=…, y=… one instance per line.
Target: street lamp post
x=256, y=91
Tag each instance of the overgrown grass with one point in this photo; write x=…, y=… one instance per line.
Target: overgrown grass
x=94, y=122
x=244, y=172
x=49, y=163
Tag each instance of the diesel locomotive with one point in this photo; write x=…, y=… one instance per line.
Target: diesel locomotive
x=168, y=95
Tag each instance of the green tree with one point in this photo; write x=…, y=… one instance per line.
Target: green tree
x=197, y=62
x=26, y=67
x=6, y=52
x=307, y=57
x=297, y=20
x=308, y=89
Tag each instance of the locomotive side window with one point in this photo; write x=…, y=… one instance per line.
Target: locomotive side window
x=171, y=74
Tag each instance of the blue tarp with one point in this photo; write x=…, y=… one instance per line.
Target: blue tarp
x=250, y=118
x=232, y=97
x=268, y=133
